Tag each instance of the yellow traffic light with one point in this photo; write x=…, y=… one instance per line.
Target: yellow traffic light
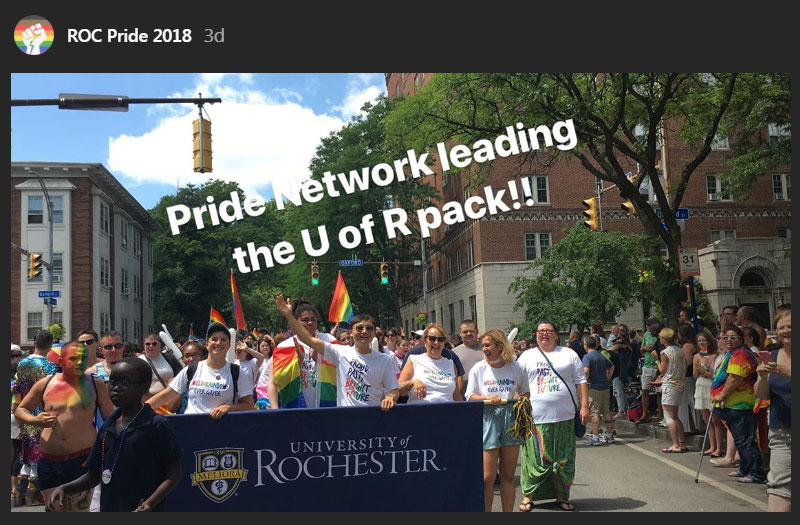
x=202, y=145
x=314, y=275
x=34, y=265
x=592, y=216
x=384, y=274
x=627, y=205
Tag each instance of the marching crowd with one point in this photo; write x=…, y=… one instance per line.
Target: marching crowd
x=88, y=431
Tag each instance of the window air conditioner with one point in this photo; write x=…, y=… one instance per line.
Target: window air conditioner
x=126, y=291
x=779, y=196
x=57, y=278
x=713, y=196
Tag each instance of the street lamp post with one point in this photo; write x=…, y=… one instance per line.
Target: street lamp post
x=49, y=265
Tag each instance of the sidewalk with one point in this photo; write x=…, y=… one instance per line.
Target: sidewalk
x=694, y=442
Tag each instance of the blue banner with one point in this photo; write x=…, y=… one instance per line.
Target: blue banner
x=411, y=458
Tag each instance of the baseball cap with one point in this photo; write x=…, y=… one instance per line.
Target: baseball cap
x=217, y=327
x=418, y=333
x=651, y=320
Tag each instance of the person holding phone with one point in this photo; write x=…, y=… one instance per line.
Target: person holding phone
x=775, y=383
x=703, y=371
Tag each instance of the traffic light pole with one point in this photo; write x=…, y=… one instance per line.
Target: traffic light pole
x=599, y=188
x=49, y=245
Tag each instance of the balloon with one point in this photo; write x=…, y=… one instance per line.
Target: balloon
x=512, y=335
x=231, y=356
x=167, y=340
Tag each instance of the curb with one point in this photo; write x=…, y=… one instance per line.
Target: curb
x=694, y=442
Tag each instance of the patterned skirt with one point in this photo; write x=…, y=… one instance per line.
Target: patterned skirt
x=548, y=461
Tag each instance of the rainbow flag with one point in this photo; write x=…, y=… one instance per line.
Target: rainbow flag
x=237, y=306
x=286, y=374
x=255, y=333
x=216, y=317
x=191, y=330
x=341, y=308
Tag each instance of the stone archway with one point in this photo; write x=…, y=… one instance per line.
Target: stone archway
x=762, y=267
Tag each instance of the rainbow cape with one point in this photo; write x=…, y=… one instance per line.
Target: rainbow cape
x=286, y=374
x=341, y=308
x=216, y=317
x=237, y=306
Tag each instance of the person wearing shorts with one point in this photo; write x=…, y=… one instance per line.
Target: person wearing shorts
x=496, y=379
x=650, y=365
x=672, y=366
x=598, y=369
x=55, y=470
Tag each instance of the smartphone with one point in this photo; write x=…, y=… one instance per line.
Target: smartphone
x=765, y=356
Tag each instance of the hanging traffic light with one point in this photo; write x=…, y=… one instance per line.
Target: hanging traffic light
x=627, y=204
x=591, y=213
x=34, y=265
x=384, y=274
x=202, y=145
x=314, y=275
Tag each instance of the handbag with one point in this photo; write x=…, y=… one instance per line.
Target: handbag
x=580, y=428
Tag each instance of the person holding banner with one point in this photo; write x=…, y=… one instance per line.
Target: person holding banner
x=431, y=377
x=210, y=389
x=498, y=378
x=548, y=456
x=365, y=377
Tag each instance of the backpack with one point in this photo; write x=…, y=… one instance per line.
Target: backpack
x=192, y=368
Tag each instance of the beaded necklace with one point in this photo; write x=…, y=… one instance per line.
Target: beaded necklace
x=107, y=473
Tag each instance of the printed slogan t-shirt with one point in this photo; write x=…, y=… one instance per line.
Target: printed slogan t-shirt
x=550, y=400
x=438, y=375
x=210, y=388
x=362, y=379
x=485, y=380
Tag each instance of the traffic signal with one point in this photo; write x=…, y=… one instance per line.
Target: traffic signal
x=627, y=205
x=384, y=274
x=34, y=265
x=202, y=145
x=591, y=213
x=314, y=275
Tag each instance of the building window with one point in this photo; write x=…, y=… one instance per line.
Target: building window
x=105, y=322
x=470, y=254
x=35, y=213
x=124, y=282
x=150, y=253
x=451, y=308
x=752, y=280
x=58, y=267
x=458, y=260
x=125, y=329
x=720, y=142
x=150, y=294
x=135, y=331
x=777, y=132
x=473, y=308
x=104, y=218
x=433, y=315
x=57, y=207
x=431, y=281
x=34, y=324
x=721, y=235
x=136, y=287
x=717, y=190
x=540, y=188
x=535, y=245
x=104, y=272
x=449, y=267
x=782, y=186
x=123, y=234
x=785, y=233
x=461, y=310
x=640, y=133
x=137, y=242
x=58, y=318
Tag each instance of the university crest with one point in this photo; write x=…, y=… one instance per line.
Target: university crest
x=218, y=472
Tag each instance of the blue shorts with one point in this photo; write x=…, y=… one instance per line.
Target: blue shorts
x=55, y=472
x=496, y=422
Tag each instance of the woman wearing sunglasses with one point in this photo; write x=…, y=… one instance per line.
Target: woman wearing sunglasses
x=431, y=377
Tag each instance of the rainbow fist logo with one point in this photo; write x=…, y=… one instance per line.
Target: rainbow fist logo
x=33, y=35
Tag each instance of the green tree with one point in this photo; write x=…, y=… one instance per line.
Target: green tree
x=361, y=143
x=584, y=277
x=610, y=110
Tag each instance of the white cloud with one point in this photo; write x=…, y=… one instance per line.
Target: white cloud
x=361, y=88
x=255, y=139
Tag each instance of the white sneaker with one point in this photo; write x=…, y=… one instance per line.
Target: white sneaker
x=591, y=441
x=610, y=439
x=663, y=423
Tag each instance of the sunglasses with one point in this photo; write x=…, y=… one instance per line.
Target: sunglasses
x=88, y=342
x=367, y=328
x=116, y=346
x=436, y=338
x=730, y=337
x=155, y=343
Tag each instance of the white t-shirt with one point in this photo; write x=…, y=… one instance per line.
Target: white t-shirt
x=486, y=380
x=550, y=399
x=210, y=388
x=263, y=374
x=250, y=367
x=308, y=368
x=361, y=379
x=164, y=370
x=438, y=376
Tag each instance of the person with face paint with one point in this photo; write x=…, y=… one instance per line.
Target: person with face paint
x=69, y=399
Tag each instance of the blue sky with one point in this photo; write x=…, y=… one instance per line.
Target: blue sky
x=266, y=128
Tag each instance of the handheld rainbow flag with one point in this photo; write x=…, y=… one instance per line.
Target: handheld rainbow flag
x=286, y=374
x=216, y=317
x=255, y=333
x=341, y=308
x=237, y=306
x=191, y=330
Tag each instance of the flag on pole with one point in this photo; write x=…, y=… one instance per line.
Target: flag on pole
x=255, y=333
x=191, y=330
x=237, y=306
x=216, y=317
x=341, y=308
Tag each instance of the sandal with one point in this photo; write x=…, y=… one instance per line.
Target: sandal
x=735, y=474
x=565, y=505
x=526, y=506
x=670, y=450
x=748, y=479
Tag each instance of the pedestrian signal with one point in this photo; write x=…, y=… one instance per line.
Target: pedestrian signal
x=591, y=213
x=34, y=265
x=202, y=145
x=314, y=275
x=384, y=274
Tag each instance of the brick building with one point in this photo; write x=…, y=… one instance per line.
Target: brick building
x=102, y=252
x=744, y=245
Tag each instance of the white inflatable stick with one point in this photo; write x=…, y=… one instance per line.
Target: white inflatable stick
x=512, y=335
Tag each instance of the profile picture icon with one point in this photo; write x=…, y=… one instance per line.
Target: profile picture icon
x=34, y=35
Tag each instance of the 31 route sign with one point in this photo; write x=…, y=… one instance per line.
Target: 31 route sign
x=688, y=262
